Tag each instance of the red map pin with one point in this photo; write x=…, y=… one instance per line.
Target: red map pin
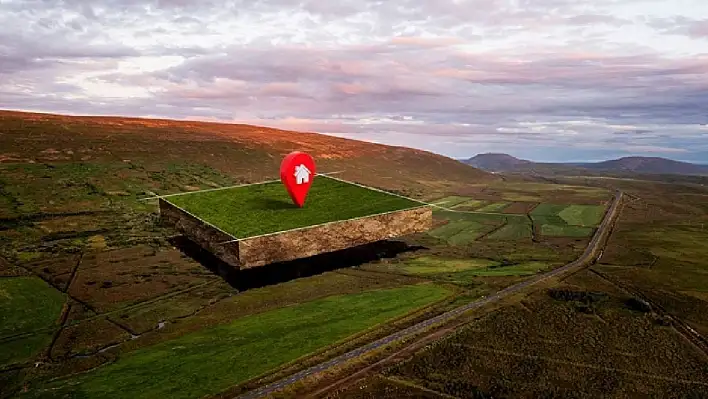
x=297, y=172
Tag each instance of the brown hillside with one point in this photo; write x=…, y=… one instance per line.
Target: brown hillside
x=244, y=151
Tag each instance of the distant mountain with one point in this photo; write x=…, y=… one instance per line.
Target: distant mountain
x=645, y=165
x=496, y=162
x=654, y=165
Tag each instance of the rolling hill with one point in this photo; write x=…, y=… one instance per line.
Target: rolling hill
x=639, y=165
x=654, y=165
x=249, y=153
x=496, y=162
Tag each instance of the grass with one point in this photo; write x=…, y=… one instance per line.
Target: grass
x=430, y=265
x=470, y=203
x=558, y=220
x=494, y=207
x=451, y=201
x=464, y=228
x=546, y=209
x=582, y=215
x=461, y=271
x=555, y=230
x=212, y=360
x=20, y=297
x=512, y=231
x=521, y=269
x=266, y=208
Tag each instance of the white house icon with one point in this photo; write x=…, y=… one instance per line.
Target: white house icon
x=302, y=174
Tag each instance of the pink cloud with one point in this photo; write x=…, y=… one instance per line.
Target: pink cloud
x=418, y=41
x=699, y=29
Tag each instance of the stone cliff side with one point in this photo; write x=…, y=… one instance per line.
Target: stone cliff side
x=309, y=241
x=202, y=233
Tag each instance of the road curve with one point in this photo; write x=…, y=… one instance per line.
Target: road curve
x=591, y=252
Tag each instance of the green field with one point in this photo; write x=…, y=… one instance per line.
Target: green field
x=463, y=271
x=451, y=201
x=512, y=231
x=555, y=230
x=426, y=265
x=21, y=297
x=266, y=208
x=582, y=215
x=464, y=228
x=521, y=269
x=214, y=359
x=494, y=207
x=556, y=220
x=470, y=203
x=546, y=209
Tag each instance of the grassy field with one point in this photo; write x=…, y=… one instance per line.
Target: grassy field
x=27, y=304
x=211, y=360
x=464, y=228
x=582, y=215
x=555, y=230
x=266, y=208
x=470, y=204
x=560, y=220
x=451, y=202
x=495, y=207
x=573, y=221
x=465, y=270
x=515, y=230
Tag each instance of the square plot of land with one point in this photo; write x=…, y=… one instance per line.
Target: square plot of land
x=260, y=209
x=258, y=224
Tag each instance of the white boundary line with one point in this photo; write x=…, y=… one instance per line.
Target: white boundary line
x=207, y=190
x=201, y=220
x=226, y=188
x=379, y=190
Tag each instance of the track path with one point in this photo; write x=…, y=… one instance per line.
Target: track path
x=592, y=251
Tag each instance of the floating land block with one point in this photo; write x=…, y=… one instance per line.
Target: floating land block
x=255, y=225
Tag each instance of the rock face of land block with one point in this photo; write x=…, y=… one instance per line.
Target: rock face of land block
x=298, y=243
x=209, y=237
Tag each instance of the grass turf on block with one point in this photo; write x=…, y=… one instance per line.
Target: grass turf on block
x=266, y=208
x=255, y=225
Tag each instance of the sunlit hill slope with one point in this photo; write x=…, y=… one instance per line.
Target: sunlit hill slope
x=245, y=152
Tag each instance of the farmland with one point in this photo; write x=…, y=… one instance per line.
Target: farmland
x=494, y=220
x=20, y=296
x=595, y=332
x=211, y=360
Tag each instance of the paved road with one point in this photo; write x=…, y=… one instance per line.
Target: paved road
x=591, y=252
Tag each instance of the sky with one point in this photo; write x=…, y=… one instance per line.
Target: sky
x=548, y=80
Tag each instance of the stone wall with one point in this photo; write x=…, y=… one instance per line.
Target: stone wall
x=301, y=243
x=202, y=233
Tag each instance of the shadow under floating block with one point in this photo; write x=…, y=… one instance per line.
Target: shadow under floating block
x=256, y=225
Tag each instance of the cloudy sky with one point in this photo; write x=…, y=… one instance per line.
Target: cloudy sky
x=541, y=79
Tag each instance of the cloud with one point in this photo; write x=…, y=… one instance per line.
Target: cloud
x=681, y=25
x=453, y=76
